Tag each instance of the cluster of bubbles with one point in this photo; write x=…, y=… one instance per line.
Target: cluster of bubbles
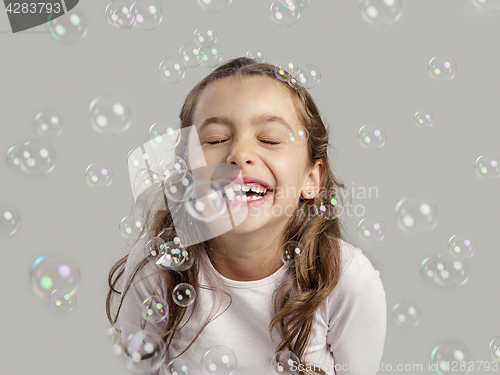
x=142, y=14
x=68, y=28
x=286, y=13
x=450, y=268
x=55, y=278
x=287, y=70
x=203, y=51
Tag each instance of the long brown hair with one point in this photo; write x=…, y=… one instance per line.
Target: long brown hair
x=316, y=271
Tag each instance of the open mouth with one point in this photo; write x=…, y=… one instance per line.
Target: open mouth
x=246, y=192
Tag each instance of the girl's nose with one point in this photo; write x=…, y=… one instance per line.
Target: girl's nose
x=241, y=154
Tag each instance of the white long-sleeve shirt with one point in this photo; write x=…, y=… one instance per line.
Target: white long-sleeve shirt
x=347, y=338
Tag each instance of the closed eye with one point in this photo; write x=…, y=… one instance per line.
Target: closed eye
x=269, y=142
x=217, y=141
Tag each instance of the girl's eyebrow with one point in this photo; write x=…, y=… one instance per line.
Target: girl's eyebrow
x=256, y=120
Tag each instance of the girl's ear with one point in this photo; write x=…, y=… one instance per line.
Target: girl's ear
x=312, y=184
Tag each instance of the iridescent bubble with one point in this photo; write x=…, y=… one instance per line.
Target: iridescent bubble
x=210, y=56
x=488, y=167
x=297, y=136
x=68, y=28
x=286, y=69
x=154, y=246
x=406, y=314
x=169, y=234
x=427, y=270
x=495, y=348
x=449, y=271
x=9, y=220
x=442, y=68
x=205, y=36
x=171, y=164
x=290, y=4
x=113, y=336
x=179, y=366
x=51, y=272
x=188, y=54
x=147, y=13
x=257, y=56
x=109, y=114
x=184, y=295
x=371, y=229
x=99, y=175
x=37, y=157
x=144, y=353
x=118, y=14
x=175, y=256
x=61, y=300
x=14, y=157
x=141, y=158
x=416, y=214
x=487, y=5
x=219, y=360
x=380, y=12
x=146, y=179
x=130, y=228
x=285, y=362
x=176, y=185
x=172, y=69
x=164, y=136
x=292, y=251
x=308, y=76
x=48, y=122
x=372, y=136
x=450, y=358
x=154, y=309
x=283, y=16
x=462, y=246
x=123, y=18
x=214, y=6
x=328, y=205
x=424, y=119
x=204, y=200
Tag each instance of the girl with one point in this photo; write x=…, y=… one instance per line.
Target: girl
x=321, y=309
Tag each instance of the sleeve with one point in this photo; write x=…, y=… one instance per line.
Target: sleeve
x=145, y=283
x=357, y=318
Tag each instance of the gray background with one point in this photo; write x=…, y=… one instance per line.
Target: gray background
x=370, y=75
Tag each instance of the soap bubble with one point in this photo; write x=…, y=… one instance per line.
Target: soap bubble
x=176, y=185
x=68, y=28
x=154, y=309
x=283, y=16
x=144, y=353
x=285, y=362
x=14, y=157
x=171, y=164
x=219, y=360
x=130, y=227
x=406, y=314
x=487, y=167
x=164, y=136
x=9, y=220
x=147, y=14
x=51, y=272
x=210, y=56
x=371, y=230
x=99, y=175
x=290, y=4
x=449, y=271
x=424, y=119
x=172, y=69
x=214, y=6
x=61, y=300
x=48, y=122
x=184, y=295
x=416, y=214
x=450, y=358
x=110, y=115
x=442, y=68
x=257, y=56
x=285, y=69
x=297, y=136
x=372, y=136
x=495, y=348
x=328, y=205
x=204, y=200
x=140, y=158
x=308, y=76
x=37, y=157
x=380, y=12
x=487, y=5
x=118, y=14
x=175, y=256
x=292, y=251
x=205, y=36
x=188, y=54
x=427, y=270
x=179, y=366
x=462, y=246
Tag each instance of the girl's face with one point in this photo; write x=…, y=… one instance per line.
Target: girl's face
x=244, y=122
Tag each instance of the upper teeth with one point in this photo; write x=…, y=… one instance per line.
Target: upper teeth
x=245, y=188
